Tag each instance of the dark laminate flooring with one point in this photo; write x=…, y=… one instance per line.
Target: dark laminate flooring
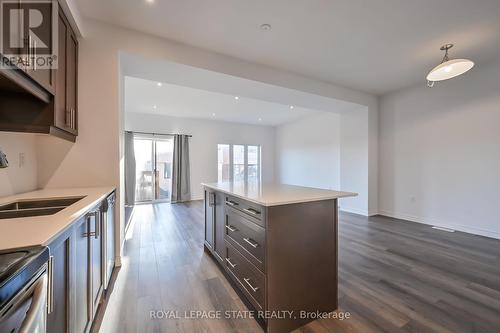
x=395, y=276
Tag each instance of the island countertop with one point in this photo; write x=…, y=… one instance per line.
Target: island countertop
x=274, y=194
x=41, y=230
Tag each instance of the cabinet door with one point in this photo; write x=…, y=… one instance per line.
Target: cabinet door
x=61, y=114
x=209, y=218
x=58, y=316
x=82, y=311
x=219, y=225
x=43, y=76
x=71, y=80
x=95, y=241
x=17, y=33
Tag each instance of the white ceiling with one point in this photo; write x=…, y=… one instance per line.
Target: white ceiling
x=145, y=96
x=373, y=46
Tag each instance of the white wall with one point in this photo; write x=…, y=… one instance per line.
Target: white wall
x=440, y=153
x=16, y=178
x=203, y=145
x=354, y=160
x=308, y=151
x=327, y=150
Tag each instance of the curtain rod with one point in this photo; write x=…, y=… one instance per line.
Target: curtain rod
x=134, y=132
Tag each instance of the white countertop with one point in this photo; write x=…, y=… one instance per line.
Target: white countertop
x=272, y=194
x=41, y=230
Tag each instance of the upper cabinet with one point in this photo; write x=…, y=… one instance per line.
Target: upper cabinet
x=44, y=76
x=66, y=84
x=42, y=99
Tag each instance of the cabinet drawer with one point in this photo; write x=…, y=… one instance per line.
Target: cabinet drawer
x=246, y=236
x=250, y=280
x=252, y=210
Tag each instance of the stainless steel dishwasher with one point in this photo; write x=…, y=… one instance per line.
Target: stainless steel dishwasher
x=108, y=239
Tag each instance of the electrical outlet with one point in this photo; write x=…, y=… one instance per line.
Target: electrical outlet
x=22, y=160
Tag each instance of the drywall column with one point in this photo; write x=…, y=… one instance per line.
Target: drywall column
x=354, y=159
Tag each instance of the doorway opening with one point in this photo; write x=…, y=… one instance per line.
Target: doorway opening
x=153, y=155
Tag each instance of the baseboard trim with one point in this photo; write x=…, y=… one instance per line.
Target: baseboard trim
x=353, y=211
x=440, y=223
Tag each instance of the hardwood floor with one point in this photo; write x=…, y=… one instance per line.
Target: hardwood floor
x=395, y=276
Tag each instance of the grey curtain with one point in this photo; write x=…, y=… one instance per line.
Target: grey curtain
x=129, y=169
x=180, y=170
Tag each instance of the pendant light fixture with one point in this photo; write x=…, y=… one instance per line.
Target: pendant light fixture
x=448, y=69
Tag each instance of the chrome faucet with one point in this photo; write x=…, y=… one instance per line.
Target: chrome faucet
x=3, y=160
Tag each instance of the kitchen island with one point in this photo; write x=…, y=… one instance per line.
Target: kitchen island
x=277, y=244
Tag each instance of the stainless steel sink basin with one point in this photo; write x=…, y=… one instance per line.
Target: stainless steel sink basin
x=25, y=208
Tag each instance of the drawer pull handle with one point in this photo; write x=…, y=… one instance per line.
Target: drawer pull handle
x=230, y=228
x=251, y=211
x=254, y=289
x=251, y=242
x=232, y=203
x=230, y=263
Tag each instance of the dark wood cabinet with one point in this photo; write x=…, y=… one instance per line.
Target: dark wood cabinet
x=278, y=258
x=77, y=271
x=43, y=100
x=60, y=114
x=43, y=76
x=214, y=223
x=219, y=246
x=59, y=263
x=37, y=71
x=65, y=108
x=209, y=219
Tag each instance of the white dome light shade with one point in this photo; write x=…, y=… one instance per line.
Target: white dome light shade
x=450, y=69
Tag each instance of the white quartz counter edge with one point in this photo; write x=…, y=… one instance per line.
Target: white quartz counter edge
x=308, y=194
x=41, y=230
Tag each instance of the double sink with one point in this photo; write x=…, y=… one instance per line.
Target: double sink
x=26, y=208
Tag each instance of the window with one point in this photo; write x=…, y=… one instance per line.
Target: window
x=238, y=163
x=223, y=163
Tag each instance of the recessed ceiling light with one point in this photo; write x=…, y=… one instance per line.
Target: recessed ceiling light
x=291, y=107
x=154, y=106
x=159, y=84
x=265, y=27
x=236, y=98
x=213, y=114
x=150, y=1
x=260, y=119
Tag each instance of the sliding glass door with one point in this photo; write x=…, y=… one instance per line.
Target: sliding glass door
x=163, y=173
x=153, y=157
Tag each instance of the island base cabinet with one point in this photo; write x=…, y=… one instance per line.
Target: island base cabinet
x=214, y=224
x=279, y=258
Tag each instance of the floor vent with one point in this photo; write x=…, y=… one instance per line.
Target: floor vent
x=443, y=229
